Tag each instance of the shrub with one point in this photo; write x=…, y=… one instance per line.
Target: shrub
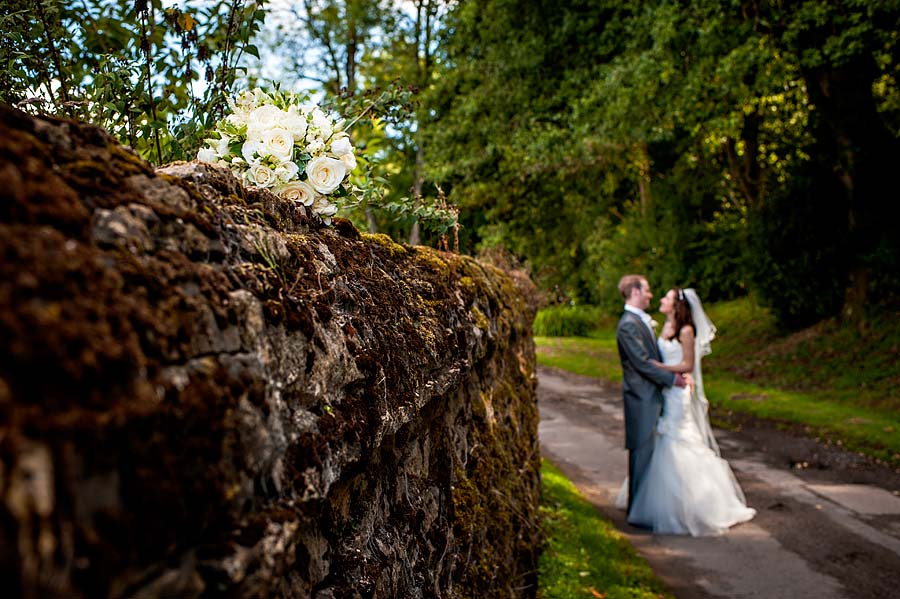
x=568, y=321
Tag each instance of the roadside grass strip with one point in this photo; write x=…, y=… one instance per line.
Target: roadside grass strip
x=584, y=556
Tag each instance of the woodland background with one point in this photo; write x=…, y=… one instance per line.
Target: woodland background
x=737, y=147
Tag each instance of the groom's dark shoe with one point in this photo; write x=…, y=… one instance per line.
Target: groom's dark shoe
x=639, y=525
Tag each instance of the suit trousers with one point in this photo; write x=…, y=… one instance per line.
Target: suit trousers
x=638, y=462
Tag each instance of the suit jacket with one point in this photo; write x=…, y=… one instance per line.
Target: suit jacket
x=642, y=382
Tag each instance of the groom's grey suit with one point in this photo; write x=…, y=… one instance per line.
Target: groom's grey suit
x=642, y=385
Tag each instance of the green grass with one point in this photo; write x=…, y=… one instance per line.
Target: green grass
x=831, y=380
x=596, y=356
x=583, y=555
x=835, y=361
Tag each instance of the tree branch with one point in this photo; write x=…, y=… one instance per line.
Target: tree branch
x=54, y=53
x=145, y=47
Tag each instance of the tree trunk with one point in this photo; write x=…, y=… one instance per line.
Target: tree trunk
x=418, y=179
x=424, y=9
x=643, y=166
x=745, y=170
x=415, y=234
x=863, y=152
x=371, y=223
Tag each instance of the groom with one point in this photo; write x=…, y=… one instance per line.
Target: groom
x=642, y=382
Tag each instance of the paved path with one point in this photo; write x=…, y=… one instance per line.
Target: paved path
x=821, y=531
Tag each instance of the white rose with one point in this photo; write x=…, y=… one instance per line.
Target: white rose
x=221, y=145
x=341, y=146
x=249, y=99
x=325, y=174
x=206, y=155
x=315, y=147
x=321, y=122
x=278, y=142
x=286, y=171
x=295, y=123
x=265, y=117
x=299, y=191
x=238, y=117
x=349, y=161
x=324, y=209
x=251, y=147
x=261, y=175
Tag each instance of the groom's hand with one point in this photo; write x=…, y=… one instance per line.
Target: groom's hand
x=679, y=381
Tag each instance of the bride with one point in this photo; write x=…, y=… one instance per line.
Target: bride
x=688, y=488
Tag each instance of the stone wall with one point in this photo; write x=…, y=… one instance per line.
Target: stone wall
x=204, y=392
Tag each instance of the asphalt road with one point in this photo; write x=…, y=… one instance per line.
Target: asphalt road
x=828, y=521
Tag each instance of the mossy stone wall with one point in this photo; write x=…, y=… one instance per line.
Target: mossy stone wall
x=204, y=392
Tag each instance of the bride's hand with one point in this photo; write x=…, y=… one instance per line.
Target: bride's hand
x=689, y=380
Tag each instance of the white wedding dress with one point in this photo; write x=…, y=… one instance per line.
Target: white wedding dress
x=688, y=488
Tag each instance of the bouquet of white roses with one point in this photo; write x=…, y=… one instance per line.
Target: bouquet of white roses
x=280, y=142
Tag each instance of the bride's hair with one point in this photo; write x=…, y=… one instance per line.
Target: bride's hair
x=682, y=312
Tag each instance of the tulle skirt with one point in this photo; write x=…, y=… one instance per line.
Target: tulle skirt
x=687, y=489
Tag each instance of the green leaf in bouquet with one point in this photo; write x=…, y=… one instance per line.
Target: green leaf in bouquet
x=230, y=128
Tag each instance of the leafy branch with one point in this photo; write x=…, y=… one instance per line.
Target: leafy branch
x=438, y=215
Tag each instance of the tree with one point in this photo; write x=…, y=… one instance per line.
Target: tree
x=838, y=46
x=681, y=140
x=133, y=68
x=358, y=48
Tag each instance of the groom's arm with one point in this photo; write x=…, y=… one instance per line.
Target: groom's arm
x=628, y=338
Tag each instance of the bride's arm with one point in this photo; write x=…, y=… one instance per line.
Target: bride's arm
x=687, y=347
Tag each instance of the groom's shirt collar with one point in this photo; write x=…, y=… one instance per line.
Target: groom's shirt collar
x=643, y=316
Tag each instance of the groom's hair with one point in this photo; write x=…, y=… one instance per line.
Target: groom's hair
x=630, y=282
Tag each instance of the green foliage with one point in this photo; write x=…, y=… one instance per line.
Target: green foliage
x=136, y=69
x=589, y=138
x=568, y=321
x=435, y=215
x=499, y=140
x=354, y=51
x=799, y=271
x=133, y=68
x=594, y=139
x=375, y=109
x=584, y=555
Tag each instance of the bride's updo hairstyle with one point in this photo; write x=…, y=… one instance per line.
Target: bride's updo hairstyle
x=682, y=312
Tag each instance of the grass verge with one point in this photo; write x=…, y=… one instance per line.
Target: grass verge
x=584, y=556
x=595, y=356
x=832, y=380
